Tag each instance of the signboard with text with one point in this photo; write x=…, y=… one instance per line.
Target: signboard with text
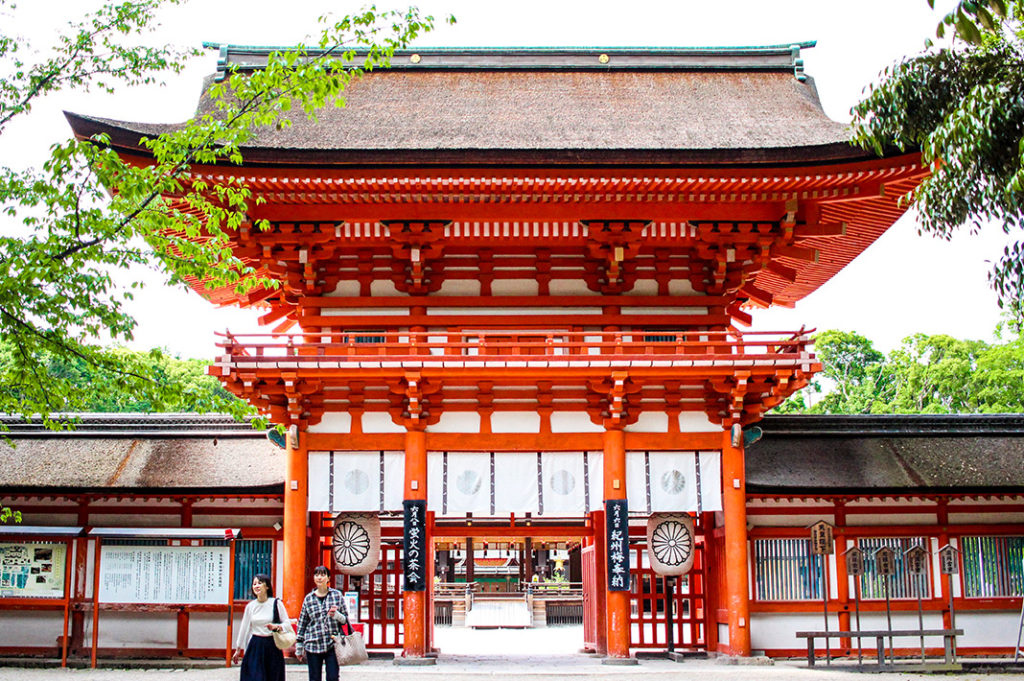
x=32, y=570
x=164, y=574
x=822, y=543
x=617, y=534
x=414, y=544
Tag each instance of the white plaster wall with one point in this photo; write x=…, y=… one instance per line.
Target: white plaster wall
x=856, y=519
x=681, y=287
x=209, y=629
x=30, y=628
x=333, y=422
x=989, y=629
x=384, y=287
x=514, y=287
x=346, y=287
x=136, y=629
x=459, y=287
x=644, y=287
x=573, y=422
x=773, y=630
x=569, y=287
x=380, y=422
x=696, y=422
x=127, y=520
x=515, y=422
x=981, y=517
x=650, y=422
x=788, y=520
x=457, y=422
x=365, y=311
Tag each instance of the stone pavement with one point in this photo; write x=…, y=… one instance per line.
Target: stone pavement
x=515, y=655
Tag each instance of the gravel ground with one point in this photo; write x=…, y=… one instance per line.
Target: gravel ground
x=525, y=655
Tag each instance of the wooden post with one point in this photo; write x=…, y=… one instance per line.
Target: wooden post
x=295, y=518
x=414, y=602
x=231, y=602
x=96, y=601
x=67, y=602
x=735, y=506
x=615, y=488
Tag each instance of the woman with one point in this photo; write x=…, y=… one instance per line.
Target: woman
x=261, y=660
x=322, y=611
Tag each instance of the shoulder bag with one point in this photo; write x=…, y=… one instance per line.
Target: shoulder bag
x=349, y=648
x=285, y=638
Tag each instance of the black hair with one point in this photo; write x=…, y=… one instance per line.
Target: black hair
x=321, y=570
x=266, y=582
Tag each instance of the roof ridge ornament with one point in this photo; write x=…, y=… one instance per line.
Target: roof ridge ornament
x=798, y=63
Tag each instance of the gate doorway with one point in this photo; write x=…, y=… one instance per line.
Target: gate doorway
x=524, y=577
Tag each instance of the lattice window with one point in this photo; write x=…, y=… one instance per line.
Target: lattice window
x=993, y=566
x=252, y=557
x=902, y=584
x=786, y=570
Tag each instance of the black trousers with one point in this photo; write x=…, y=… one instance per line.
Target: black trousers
x=316, y=661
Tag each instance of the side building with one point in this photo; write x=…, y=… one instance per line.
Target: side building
x=102, y=503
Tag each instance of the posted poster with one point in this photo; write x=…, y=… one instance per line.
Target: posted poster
x=164, y=574
x=33, y=570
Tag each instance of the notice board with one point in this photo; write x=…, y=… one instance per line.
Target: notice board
x=164, y=574
x=32, y=569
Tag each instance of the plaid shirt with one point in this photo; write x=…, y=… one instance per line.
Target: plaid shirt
x=315, y=627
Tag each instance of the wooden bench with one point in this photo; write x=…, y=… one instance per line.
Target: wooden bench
x=948, y=636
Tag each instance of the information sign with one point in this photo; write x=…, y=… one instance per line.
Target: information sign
x=822, y=543
x=414, y=544
x=917, y=560
x=617, y=533
x=948, y=563
x=32, y=570
x=885, y=561
x=854, y=562
x=164, y=574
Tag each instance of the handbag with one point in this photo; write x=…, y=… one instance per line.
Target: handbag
x=349, y=648
x=285, y=638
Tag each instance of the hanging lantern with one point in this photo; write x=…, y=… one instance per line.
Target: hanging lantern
x=356, y=543
x=670, y=543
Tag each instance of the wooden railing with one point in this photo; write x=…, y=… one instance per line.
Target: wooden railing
x=571, y=347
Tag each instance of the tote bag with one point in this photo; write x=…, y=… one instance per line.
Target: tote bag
x=285, y=638
x=349, y=648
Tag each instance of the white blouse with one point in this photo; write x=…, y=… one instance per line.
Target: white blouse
x=256, y=618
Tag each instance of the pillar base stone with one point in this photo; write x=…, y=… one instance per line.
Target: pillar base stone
x=620, y=661
x=415, y=661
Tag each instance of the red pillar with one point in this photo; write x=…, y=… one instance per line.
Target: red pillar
x=615, y=488
x=734, y=493
x=414, y=603
x=296, y=514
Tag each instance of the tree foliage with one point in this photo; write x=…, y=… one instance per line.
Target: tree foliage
x=935, y=374
x=962, y=105
x=76, y=226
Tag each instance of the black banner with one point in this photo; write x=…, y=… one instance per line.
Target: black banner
x=414, y=544
x=617, y=535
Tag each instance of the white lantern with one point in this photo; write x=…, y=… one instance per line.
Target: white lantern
x=670, y=544
x=356, y=543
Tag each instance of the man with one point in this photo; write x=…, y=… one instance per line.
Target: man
x=323, y=611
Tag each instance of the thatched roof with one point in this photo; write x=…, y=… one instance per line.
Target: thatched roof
x=727, y=105
x=140, y=452
x=958, y=453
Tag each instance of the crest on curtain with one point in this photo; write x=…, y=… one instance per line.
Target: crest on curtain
x=356, y=543
x=670, y=543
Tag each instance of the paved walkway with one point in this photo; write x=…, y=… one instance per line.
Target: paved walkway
x=516, y=655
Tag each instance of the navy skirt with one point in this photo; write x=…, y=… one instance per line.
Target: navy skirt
x=262, y=661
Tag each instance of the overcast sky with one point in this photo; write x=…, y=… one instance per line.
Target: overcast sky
x=901, y=285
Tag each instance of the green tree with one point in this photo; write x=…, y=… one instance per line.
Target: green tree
x=962, y=105
x=75, y=226
x=850, y=362
x=927, y=374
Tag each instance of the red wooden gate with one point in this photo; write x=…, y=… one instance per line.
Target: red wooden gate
x=687, y=599
x=588, y=561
